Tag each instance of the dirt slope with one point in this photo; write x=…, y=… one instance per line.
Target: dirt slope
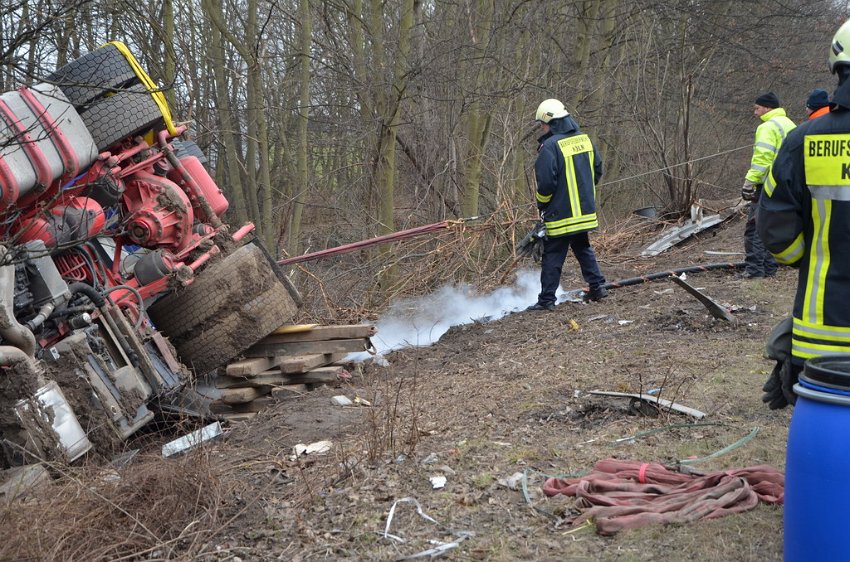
x=493, y=399
x=490, y=400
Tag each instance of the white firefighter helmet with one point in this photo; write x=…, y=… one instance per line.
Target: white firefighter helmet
x=550, y=109
x=838, y=53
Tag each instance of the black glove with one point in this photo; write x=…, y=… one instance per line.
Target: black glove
x=779, y=388
x=748, y=192
x=532, y=244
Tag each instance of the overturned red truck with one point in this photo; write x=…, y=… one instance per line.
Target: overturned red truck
x=119, y=281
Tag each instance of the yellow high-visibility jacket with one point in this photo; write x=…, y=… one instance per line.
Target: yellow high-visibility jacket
x=804, y=221
x=769, y=137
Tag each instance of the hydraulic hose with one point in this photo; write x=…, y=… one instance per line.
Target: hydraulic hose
x=95, y=297
x=679, y=271
x=138, y=296
x=576, y=294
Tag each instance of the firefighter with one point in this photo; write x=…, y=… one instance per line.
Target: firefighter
x=774, y=128
x=568, y=168
x=804, y=220
x=817, y=104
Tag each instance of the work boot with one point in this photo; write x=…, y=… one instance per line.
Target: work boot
x=750, y=275
x=596, y=293
x=549, y=306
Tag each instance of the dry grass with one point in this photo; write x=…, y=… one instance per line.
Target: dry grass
x=152, y=508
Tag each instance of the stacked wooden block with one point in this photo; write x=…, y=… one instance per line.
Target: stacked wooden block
x=289, y=362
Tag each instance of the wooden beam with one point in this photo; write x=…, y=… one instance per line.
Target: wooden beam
x=320, y=333
x=248, y=367
x=294, y=364
x=303, y=363
x=263, y=349
x=274, y=377
x=242, y=395
x=289, y=391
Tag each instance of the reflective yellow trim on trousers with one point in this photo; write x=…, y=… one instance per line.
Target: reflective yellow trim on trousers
x=818, y=263
x=807, y=350
x=828, y=340
x=822, y=331
x=543, y=198
x=572, y=224
x=793, y=253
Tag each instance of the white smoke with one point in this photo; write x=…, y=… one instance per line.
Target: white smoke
x=422, y=321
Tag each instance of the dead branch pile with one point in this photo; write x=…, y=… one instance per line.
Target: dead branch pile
x=150, y=509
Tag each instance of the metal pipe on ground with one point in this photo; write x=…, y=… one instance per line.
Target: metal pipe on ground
x=665, y=274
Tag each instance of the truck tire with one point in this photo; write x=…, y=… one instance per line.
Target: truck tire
x=125, y=114
x=101, y=72
x=189, y=148
x=230, y=306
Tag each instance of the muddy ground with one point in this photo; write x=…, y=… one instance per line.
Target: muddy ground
x=490, y=400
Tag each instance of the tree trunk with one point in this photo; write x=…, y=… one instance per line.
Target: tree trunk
x=226, y=124
x=302, y=185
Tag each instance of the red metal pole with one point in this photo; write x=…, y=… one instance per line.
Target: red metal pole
x=400, y=235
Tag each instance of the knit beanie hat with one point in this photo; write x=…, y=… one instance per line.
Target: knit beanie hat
x=817, y=99
x=768, y=100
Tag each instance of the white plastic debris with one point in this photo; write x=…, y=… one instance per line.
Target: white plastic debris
x=440, y=548
x=192, y=440
x=624, y=322
x=317, y=448
x=340, y=400
x=511, y=482
x=438, y=482
x=431, y=458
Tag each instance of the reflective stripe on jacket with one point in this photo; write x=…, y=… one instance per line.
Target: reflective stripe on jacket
x=769, y=137
x=804, y=220
x=567, y=169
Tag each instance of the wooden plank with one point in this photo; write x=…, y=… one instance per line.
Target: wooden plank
x=289, y=391
x=320, y=333
x=294, y=364
x=303, y=363
x=309, y=347
x=275, y=378
x=292, y=328
x=239, y=417
x=243, y=395
x=253, y=366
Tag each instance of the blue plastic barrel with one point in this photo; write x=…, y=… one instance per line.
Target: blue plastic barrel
x=817, y=464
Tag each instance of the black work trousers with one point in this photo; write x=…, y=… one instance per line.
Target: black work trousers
x=555, y=252
x=759, y=261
